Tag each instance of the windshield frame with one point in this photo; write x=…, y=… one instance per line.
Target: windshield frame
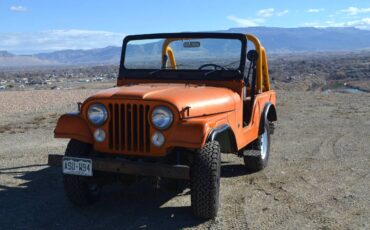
x=184, y=74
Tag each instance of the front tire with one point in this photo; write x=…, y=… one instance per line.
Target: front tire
x=257, y=158
x=80, y=190
x=205, y=181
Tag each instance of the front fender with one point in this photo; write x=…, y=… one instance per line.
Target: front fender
x=73, y=127
x=193, y=133
x=225, y=137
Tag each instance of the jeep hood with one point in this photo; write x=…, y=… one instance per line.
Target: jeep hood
x=201, y=100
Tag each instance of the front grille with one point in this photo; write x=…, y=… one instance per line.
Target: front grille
x=129, y=128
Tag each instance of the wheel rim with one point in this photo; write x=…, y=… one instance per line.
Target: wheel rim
x=263, y=144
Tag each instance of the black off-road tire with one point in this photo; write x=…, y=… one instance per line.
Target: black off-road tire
x=254, y=160
x=205, y=175
x=80, y=190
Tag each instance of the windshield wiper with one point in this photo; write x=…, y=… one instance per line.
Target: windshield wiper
x=156, y=71
x=223, y=68
x=161, y=69
x=211, y=72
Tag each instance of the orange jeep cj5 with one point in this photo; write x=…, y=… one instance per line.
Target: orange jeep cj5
x=181, y=100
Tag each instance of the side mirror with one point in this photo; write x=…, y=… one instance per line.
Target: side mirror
x=252, y=55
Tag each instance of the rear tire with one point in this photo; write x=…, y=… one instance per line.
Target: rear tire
x=257, y=158
x=80, y=190
x=205, y=181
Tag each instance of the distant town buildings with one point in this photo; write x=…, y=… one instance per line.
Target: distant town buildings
x=56, y=78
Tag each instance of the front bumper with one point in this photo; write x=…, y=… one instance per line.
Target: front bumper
x=130, y=167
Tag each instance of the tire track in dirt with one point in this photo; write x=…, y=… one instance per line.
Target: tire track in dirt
x=343, y=161
x=326, y=148
x=294, y=205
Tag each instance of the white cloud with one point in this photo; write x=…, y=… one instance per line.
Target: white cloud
x=260, y=18
x=315, y=10
x=352, y=11
x=18, y=9
x=282, y=13
x=311, y=24
x=363, y=23
x=265, y=13
x=244, y=22
x=52, y=40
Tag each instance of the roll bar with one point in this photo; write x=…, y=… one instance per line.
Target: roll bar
x=262, y=75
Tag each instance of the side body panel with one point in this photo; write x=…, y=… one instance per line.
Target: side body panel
x=249, y=133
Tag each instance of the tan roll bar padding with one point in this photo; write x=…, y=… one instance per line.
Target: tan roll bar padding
x=166, y=50
x=171, y=56
x=262, y=75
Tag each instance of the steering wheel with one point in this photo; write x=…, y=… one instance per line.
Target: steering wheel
x=215, y=66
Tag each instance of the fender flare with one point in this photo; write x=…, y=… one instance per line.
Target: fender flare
x=72, y=126
x=225, y=137
x=268, y=114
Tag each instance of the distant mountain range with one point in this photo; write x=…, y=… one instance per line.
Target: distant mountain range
x=275, y=40
x=308, y=39
x=10, y=60
x=107, y=55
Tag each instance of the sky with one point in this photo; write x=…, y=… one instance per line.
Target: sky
x=32, y=26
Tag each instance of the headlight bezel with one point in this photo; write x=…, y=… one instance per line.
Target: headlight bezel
x=168, y=111
x=105, y=114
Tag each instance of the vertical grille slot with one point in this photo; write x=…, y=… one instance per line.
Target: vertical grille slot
x=111, y=126
x=116, y=126
x=129, y=128
x=147, y=129
x=135, y=119
x=141, y=128
x=123, y=125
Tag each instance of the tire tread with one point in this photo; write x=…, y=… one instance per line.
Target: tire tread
x=205, y=181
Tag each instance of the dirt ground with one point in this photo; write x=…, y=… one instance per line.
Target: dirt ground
x=318, y=175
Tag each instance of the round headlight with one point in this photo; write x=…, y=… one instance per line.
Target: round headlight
x=97, y=114
x=158, y=139
x=162, y=117
x=99, y=135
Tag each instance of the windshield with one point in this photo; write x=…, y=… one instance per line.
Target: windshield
x=183, y=54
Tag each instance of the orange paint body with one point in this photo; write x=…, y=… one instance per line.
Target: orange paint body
x=198, y=107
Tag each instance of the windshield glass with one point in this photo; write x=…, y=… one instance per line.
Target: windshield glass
x=184, y=54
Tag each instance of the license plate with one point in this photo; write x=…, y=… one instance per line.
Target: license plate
x=77, y=166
